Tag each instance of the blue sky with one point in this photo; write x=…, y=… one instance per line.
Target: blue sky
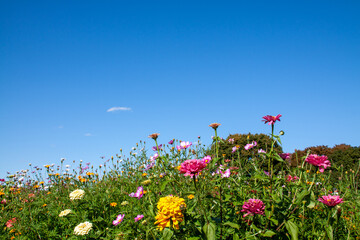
x=178, y=66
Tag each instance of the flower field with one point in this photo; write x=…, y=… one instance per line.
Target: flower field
x=182, y=190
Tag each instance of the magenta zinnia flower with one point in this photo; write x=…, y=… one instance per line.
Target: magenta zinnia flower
x=118, y=219
x=138, y=194
x=253, y=206
x=330, y=200
x=192, y=167
x=250, y=145
x=138, y=217
x=320, y=161
x=271, y=119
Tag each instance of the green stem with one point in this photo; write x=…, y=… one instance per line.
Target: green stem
x=198, y=198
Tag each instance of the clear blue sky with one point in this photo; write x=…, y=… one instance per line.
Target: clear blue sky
x=179, y=66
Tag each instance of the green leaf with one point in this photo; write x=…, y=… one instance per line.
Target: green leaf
x=301, y=196
x=329, y=232
x=163, y=185
x=231, y=224
x=167, y=234
x=209, y=230
x=292, y=229
x=278, y=158
x=268, y=233
x=236, y=237
x=311, y=204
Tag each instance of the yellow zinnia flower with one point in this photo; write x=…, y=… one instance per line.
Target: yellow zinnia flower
x=170, y=208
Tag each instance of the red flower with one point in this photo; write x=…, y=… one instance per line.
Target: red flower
x=271, y=119
x=9, y=223
x=253, y=206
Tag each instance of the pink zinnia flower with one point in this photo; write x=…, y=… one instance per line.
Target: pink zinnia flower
x=330, y=200
x=3, y=201
x=250, y=145
x=320, y=161
x=138, y=217
x=231, y=140
x=139, y=193
x=192, y=167
x=206, y=159
x=171, y=141
x=261, y=151
x=118, y=219
x=271, y=119
x=253, y=206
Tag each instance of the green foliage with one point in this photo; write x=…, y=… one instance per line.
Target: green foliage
x=263, y=142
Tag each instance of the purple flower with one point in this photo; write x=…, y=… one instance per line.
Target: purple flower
x=231, y=140
x=154, y=148
x=118, y=219
x=267, y=173
x=285, y=156
x=85, y=168
x=138, y=217
x=234, y=149
x=171, y=142
x=138, y=194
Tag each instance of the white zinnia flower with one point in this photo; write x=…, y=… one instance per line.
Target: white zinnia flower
x=65, y=212
x=83, y=228
x=77, y=194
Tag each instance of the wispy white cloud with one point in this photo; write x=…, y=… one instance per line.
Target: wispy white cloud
x=113, y=109
x=87, y=134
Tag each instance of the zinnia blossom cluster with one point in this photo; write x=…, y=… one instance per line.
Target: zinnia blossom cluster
x=330, y=200
x=192, y=167
x=138, y=194
x=253, y=206
x=64, y=213
x=271, y=119
x=83, y=228
x=77, y=194
x=170, y=209
x=320, y=161
x=250, y=145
